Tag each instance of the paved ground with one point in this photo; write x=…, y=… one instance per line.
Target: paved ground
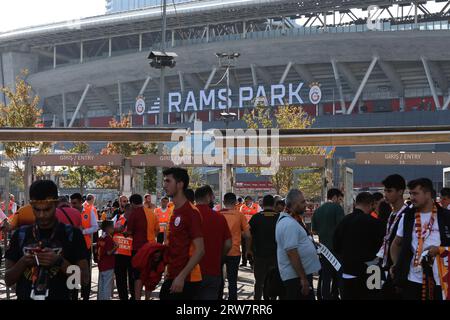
x=245, y=285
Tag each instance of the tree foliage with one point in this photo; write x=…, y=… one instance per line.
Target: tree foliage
x=21, y=111
x=288, y=117
x=109, y=178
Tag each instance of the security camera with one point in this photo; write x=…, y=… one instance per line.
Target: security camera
x=162, y=59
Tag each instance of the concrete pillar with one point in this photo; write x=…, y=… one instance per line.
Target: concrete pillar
x=226, y=181
x=13, y=63
x=125, y=180
x=86, y=119
x=4, y=187
x=28, y=177
x=402, y=104
x=138, y=181
x=64, y=110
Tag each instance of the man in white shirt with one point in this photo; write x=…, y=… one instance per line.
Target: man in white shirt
x=296, y=254
x=419, y=231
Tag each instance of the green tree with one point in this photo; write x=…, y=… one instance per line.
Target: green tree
x=287, y=117
x=196, y=178
x=79, y=177
x=109, y=177
x=21, y=111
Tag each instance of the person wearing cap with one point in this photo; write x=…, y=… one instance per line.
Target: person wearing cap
x=106, y=260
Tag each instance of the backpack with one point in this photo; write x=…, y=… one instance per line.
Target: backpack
x=23, y=230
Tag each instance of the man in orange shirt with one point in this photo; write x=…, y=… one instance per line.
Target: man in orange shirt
x=152, y=224
x=148, y=202
x=238, y=225
x=163, y=214
x=89, y=226
x=249, y=209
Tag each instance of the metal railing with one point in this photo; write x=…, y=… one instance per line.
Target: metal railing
x=271, y=34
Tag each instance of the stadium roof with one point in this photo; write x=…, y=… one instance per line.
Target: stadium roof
x=194, y=13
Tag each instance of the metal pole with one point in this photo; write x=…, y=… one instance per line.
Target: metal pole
x=80, y=103
x=119, y=91
x=362, y=85
x=54, y=57
x=64, y=109
x=162, y=91
x=228, y=88
x=431, y=83
x=163, y=50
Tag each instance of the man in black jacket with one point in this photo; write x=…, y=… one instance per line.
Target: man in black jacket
x=394, y=188
x=425, y=228
x=356, y=241
x=262, y=244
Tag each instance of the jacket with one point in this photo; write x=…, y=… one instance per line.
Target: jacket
x=150, y=260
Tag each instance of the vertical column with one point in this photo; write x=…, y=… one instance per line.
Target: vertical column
x=402, y=104
x=110, y=47
x=138, y=180
x=28, y=177
x=119, y=90
x=86, y=119
x=140, y=42
x=173, y=38
x=415, y=16
x=226, y=180
x=81, y=52
x=64, y=110
x=126, y=178
x=54, y=57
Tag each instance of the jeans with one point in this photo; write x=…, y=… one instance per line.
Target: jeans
x=293, y=289
x=261, y=268
x=244, y=250
x=86, y=289
x=105, y=282
x=123, y=269
x=232, y=264
x=210, y=287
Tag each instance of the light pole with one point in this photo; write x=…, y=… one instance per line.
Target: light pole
x=226, y=61
x=161, y=60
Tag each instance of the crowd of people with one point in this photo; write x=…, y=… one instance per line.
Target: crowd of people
x=189, y=245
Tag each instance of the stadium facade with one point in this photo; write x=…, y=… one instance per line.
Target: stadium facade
x=125, y=5
x=394, y=74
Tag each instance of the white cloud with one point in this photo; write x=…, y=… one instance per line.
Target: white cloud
x=16, y=14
